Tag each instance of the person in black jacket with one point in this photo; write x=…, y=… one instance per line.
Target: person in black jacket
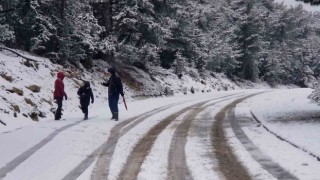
x=115, y=89
x=85, y=93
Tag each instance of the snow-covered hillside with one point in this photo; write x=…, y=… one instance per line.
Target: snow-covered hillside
x=27, y=85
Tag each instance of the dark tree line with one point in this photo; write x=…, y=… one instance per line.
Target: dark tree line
x=312, y=2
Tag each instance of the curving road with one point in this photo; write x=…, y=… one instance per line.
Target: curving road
x=197, y=146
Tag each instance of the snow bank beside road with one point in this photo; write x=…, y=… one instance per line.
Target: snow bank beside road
x=292, y=116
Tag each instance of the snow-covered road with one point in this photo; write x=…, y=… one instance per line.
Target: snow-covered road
x=244, y=134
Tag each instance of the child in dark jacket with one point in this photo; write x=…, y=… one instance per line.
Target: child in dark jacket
x=85, y=93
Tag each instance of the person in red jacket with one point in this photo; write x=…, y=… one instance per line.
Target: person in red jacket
x=59, y=93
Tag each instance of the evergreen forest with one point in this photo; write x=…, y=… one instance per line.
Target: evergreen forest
x=247, y=39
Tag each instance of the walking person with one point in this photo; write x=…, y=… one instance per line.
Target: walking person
x=115, y=89
x=59, y=93
x=85, y=93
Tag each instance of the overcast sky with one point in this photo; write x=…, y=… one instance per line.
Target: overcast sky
x=296, y=3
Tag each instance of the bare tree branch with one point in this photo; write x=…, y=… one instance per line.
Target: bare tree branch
x=20, y=55
x=7, y=10
x=3, y=123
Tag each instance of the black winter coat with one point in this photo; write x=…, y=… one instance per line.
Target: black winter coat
x=85, y=93
x=114, y=85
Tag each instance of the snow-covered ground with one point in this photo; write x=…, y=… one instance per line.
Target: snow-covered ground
x=290, y=116
x=35, y=152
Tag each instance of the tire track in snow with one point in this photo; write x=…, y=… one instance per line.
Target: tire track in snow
x=201, y=129
x=266, y=162
x=106, y=150
x=142, y=148
x=101, y=170
x=178, y=168
x=199, y=147
x=10, y=166
x=14, y=130
x=229, y=164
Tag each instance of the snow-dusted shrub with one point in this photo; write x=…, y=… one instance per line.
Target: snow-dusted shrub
x=315, y=95
x=168, y=91
x=5, y=33
x=185, y=90
x=192, y=90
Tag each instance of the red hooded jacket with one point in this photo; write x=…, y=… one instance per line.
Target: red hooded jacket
x=59, y=86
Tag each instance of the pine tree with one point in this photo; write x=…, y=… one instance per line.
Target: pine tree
x=222, y=50
x=76, y=35
x=287, y=49
x=188, y=35
x=138, y=31
x=26, y=22
x=6, y=33
x=245, y=35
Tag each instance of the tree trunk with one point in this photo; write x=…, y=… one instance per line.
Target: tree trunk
x=62, y=7
x=107, y=15
x=103, y=12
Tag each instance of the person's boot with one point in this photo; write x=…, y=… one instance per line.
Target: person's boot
x=85, y=116
x=57, y=116
x=116, y=116
x=112, y=115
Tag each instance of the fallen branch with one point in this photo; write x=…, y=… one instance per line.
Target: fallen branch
x=3, y=123
x=8, y=49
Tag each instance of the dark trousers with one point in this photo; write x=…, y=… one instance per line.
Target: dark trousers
x=113, y=103
x=59, y=109
x=84, y=107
